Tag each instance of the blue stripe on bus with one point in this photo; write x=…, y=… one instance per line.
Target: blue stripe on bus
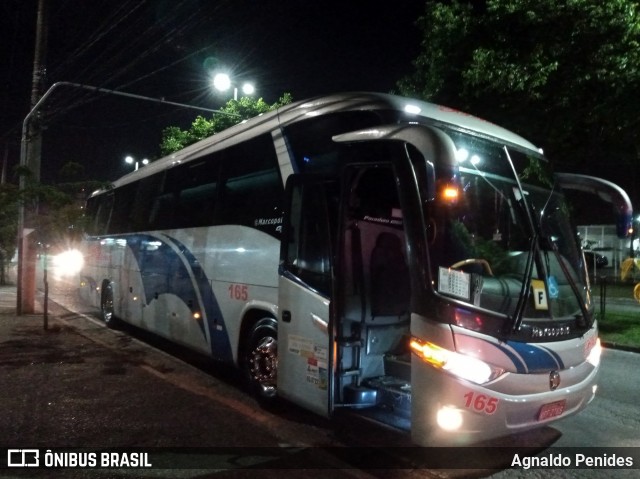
x=536, y=358
x=557, y=357
x=164, y=271
x=220, y=345
x=518, y=362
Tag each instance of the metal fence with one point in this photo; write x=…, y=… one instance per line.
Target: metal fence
x=619, y=299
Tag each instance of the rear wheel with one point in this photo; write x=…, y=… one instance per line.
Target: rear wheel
x=106, y=306
x=260, y=361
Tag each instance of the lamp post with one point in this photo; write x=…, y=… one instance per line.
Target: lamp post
x=129, y=160
x=222, y=82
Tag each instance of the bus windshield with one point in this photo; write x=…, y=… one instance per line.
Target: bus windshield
x=505, y=244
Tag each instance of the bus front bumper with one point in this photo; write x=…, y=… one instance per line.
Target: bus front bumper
x=450, y=411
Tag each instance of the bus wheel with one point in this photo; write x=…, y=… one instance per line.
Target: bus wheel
x=261, y=359
x=106, y=306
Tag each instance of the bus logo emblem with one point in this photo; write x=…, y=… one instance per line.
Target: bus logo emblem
x=554, y=380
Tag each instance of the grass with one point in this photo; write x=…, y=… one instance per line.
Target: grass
x=620, y=323
x=621, y=329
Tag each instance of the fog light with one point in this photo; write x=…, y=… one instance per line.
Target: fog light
x=449, y=418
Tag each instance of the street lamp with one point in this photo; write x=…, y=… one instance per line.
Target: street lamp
x=131, y=161
x=222, y=82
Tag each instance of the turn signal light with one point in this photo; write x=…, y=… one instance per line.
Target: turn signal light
x=449, y=193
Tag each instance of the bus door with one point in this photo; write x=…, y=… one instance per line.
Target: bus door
x=305, y=285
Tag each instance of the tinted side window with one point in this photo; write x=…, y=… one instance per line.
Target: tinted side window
x=99, y=212
x=146, y=191
x=308, y=243
x=251, y=186
x=310, y=141
x=121, y=213
x=188, y=197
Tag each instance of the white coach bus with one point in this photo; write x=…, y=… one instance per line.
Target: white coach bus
x=410, y=262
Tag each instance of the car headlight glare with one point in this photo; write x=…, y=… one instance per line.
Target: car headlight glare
x=68, y=263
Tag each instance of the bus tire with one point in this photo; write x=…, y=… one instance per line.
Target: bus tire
x=260, y=362
x=106, y=306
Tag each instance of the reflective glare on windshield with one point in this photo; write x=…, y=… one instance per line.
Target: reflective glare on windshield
x=485, y=229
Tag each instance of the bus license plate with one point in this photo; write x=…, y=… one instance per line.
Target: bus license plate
x=552, y=409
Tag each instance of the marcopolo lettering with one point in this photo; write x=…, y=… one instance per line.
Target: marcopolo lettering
x=550, y=332
x=267, y=221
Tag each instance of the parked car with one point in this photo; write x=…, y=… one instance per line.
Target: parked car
x=592, y=258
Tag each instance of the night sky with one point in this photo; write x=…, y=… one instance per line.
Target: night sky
x=169, y=49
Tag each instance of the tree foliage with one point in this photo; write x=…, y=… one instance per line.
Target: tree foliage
x=8, y=224
x=235, y=111
x=563, y=73
x=54, y=211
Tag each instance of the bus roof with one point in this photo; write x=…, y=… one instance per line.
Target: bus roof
x=297, y=111
x=382, y=101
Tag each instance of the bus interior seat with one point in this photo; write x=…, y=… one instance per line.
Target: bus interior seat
x=389, y=276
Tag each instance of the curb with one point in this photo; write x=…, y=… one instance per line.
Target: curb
x=620, y=347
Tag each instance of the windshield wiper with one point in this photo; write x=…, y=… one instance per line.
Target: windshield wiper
x=516, y=319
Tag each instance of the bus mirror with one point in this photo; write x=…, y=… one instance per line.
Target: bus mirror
x=605, y=190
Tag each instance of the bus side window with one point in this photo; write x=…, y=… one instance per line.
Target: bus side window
x=252, y=186
x=188, y=197
x=99, y=211
x=120, y=221
x=308, y=246
x=146, y=191
x=162, y=212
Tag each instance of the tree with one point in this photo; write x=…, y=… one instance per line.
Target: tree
x=56, y=211
x=565, y=73
x=235, y=111
x=8, y=225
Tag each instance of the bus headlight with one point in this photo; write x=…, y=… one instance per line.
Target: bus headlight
x=594, y=355
x=460, y=365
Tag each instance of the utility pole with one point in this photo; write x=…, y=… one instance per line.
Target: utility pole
x=26, y=244
x=34, y=146
x=3, y=175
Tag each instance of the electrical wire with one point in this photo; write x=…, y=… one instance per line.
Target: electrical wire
x=114, y=62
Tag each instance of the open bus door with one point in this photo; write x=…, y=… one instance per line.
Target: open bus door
x=304, y=290
x=338, y=322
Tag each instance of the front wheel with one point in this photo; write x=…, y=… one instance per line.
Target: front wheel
x=106, y=306
x=261, y=359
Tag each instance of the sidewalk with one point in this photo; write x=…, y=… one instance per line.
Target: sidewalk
x=7, y=299
x=80, y=384
x=12, y=325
